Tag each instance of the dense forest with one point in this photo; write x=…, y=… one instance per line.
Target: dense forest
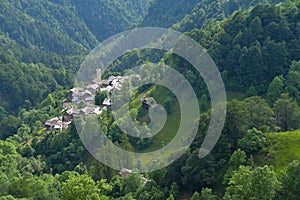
x=256, y=47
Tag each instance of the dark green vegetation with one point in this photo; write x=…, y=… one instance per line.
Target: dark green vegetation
x=208, y=10
x=257, y=50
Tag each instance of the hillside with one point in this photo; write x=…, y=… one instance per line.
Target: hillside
x=210, y=10
x=166, y=13
x=255, y=46
x=282, y=149
x=55, y=35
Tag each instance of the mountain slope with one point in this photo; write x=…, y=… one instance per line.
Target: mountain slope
x=207, y=10
x=166, y=13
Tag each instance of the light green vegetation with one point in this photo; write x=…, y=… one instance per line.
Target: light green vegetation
x=283, y=149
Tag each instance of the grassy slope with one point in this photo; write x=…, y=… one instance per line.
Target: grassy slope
x=172, y=123
x=284, y=147
x=171, y=127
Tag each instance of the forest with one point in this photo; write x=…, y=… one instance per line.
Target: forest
x=256, y=47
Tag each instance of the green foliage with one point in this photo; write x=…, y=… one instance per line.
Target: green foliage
x=166, y=13
x=252, y=141
x=100, y=96
x=235, y=42
x=206, y=194
x=151, y=191
x=287, y=113
x=253, y=50
x=251, y=91
x=258, y=183
x=83, y=187
x=275, y=90
x=283, y=148
x=237, y=159
x=199, y=174
x=252, y=112
x=196, y=196
x=208, y=10
x=61, y=150
x=9, y=126
x=293, y=79
x=45, y=187
x=131, y=183
x=290, y=179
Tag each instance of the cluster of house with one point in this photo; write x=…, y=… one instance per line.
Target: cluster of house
x=87, y=95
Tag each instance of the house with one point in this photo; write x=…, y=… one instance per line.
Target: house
x=93, y=88
x=105, y=82
x=90, y=100
x=114, y=82
x=69, y=114
x=74, y=91
x=148, y=102
x=125, y=172
x=106, y=102
x=66, y=105
x=56, y=124
x=108, y=88
x=81, y=96
x=90, y=110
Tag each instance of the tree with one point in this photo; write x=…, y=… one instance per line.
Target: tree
x=152, y=191
x=251, y=71
x=100, y=96
x=293, y=80
x=171, y=197
x=236, y=121
x=199, y=173
x=196, y=196
x=131, y=183
x=276, y=57
x=255, y=29
x=247, y=183
x=275, y=90
x=206, y=194
x=83, y=187
x=174, y=190
x=9, y=126
x=290, y=179
x=252, y=141
x=287, y=113
x=40, y=188
x=251, y=91
x=8, y=159
x=237, y=159
x=259, y=113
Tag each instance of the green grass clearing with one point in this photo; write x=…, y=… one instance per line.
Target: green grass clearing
x=284, y=147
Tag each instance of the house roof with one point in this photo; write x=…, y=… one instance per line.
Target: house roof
x=76, y=89
x=150, y=101
x=72, y=111
x=52, y=122
x=92, y=86
x=124, y=172
x=107, y=102
x=91, y=109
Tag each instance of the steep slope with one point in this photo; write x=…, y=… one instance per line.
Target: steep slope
x=46, y=38
x=106, y=18
x=251, y=48
x=166, y=13
x=68, y=27
x=207, y=10
x=46, y=26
